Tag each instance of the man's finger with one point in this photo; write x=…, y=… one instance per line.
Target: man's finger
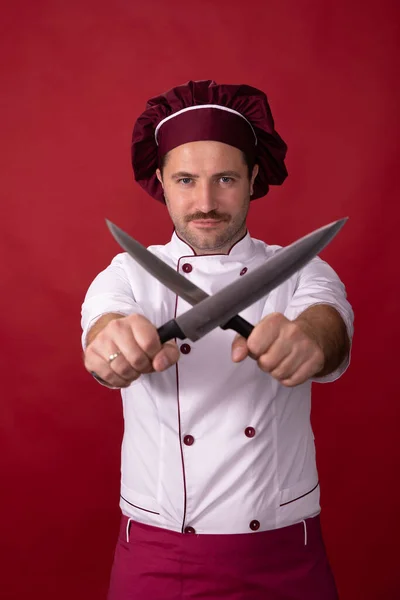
x=265, y=333
x=102, y=381
x=131, y=354
x=168, y=356
x=239, y=349
x=303, y=374
x=146, y=335
x=130, y=370
x=287, y=367
x=95, y=362
x=274, y=357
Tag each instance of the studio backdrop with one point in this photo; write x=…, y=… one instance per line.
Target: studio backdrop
x=74, y=77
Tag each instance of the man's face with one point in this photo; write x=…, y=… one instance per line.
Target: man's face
x=207, y=191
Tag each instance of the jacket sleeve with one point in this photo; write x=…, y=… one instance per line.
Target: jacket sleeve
x=109, y=292
x=318, y=283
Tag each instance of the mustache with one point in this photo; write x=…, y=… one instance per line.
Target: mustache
x=213, y=215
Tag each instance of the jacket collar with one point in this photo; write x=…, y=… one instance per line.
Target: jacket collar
x=241, y=250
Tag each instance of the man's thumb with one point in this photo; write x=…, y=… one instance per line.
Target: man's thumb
x=239, y=349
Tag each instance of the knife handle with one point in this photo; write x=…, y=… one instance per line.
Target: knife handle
x=169, y=331
x=240, y=325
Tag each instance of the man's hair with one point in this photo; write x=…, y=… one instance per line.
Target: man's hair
x=249, y=162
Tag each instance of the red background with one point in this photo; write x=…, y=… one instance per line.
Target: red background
x=75, y=75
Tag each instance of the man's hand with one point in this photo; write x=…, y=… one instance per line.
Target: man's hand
x=284, y=349
x=135, y=342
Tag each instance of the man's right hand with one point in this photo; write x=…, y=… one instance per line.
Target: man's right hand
x=136, y=343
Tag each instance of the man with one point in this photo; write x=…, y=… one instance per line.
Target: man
x=219, y=490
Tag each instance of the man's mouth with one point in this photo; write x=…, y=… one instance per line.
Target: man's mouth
x=207, y=222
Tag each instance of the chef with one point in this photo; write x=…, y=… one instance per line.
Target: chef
x=219, y=486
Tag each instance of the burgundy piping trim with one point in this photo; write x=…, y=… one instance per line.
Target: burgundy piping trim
x=200, y=255
x=179, y=425
x=139, y=507
x=306, y=494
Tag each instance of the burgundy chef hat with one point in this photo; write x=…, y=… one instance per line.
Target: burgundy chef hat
x=238, y=115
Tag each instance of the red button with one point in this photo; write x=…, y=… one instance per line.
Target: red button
x=188, y=440
x=250, y=432
x=189, y=530
x=185, y=348
x=187, y=268
x=243, y=271
x=254, y=525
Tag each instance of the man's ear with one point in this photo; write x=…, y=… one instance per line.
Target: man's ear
x=159, y=177
x=253, y=176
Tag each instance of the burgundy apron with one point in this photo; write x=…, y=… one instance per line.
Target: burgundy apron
x=283, y=564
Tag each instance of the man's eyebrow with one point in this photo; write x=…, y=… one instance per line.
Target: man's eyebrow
x=228, y=174
x=180, y=174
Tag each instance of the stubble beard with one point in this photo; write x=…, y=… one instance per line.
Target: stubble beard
x=208, y=242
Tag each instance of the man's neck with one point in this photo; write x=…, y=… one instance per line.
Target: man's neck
x=220, y=249
x=225, y=249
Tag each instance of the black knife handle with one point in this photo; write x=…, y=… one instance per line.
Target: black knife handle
x=169, y=331
x=239, y=325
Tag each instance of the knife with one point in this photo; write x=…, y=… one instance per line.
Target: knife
x=170, y=278
x=218, y=309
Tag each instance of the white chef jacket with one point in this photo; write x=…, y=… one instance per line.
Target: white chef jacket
x=210, y=444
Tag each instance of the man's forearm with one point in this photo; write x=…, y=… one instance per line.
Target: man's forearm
x=325, y=325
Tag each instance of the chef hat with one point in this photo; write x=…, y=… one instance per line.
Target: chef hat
x=238, y=115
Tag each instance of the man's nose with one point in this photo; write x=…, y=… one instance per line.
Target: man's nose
x=206, y=200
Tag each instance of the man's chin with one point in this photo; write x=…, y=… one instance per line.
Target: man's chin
x=207, y=241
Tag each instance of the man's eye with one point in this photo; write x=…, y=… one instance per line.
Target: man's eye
x=185, y=180
x=226, y=179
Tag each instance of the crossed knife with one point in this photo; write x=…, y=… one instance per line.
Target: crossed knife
x=220, y=309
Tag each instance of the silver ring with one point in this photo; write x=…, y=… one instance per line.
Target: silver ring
x=113, y=356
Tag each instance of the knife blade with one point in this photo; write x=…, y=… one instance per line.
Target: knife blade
x=169, y=277
x=218, y=309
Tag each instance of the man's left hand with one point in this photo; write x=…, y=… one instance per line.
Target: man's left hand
x=285, y=349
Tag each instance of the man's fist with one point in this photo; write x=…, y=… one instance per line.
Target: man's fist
x=126, y=347
x=284, y=349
